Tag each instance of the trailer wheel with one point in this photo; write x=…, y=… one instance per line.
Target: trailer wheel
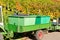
x=39, y=34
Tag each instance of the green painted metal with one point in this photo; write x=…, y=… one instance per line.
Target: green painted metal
x=57, y=27
x=21, y=29
x=34, y=27
x=22, y=20
x=4, y=32
x=42, y=19
x=38, y=20
x=27, y=23
x=10, y=27
x=14, y=20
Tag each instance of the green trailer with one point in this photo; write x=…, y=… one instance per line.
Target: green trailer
x=32, y=24
x=27, y=23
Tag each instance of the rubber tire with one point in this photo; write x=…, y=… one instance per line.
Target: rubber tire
x=37, y=34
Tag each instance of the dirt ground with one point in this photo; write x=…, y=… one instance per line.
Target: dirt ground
x=52, y=36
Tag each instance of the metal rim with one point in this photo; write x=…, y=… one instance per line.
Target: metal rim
x=39, y=35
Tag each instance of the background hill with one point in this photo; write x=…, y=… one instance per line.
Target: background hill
x=41, y=7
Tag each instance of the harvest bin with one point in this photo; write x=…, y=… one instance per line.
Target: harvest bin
x=27, y=23
x=22, y=20
x=42, y=19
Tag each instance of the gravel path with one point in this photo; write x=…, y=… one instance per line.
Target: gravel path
x=52, y=36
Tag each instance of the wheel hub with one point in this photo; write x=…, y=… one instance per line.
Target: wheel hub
x=40, y=35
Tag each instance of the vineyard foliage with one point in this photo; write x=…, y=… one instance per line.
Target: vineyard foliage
x=35, y=7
